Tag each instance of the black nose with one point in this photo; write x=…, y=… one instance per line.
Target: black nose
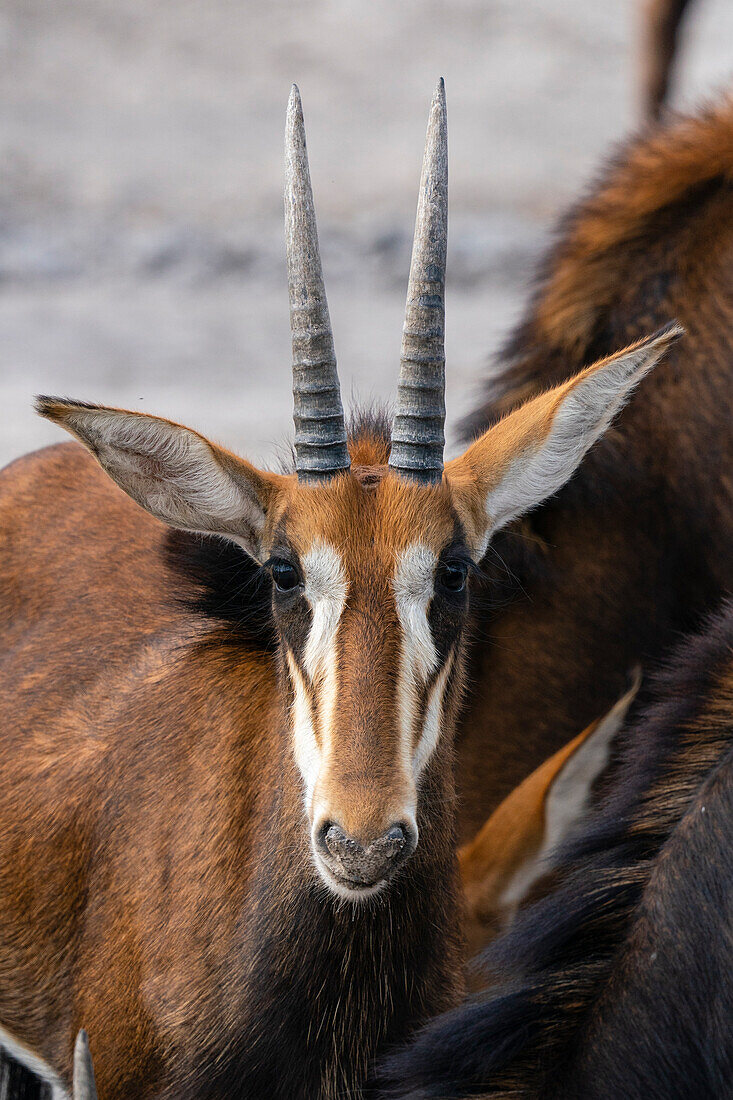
x=364, y=864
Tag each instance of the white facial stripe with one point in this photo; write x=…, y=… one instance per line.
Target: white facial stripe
x=433, y=720
x=414, y=579
x=307, y=752
x=413, y=584
x=34, y=1063
x=325, y=589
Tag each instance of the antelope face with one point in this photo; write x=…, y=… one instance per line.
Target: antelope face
x=370, y=596
x=368, y=548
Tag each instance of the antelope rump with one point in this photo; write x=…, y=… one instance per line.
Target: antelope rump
x=227, y=798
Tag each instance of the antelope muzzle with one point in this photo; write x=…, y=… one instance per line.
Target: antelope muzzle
x=356, y=866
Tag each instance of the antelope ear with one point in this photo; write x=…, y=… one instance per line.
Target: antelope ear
x=586, y=758
x=533, y=451
x=514, y=849
x=85, y=1086
x=173, y=472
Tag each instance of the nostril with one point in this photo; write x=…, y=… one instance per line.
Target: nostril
x=322, y=833
x=399, y=842
x=397, y=835
x=335, y=841
x=394, y=842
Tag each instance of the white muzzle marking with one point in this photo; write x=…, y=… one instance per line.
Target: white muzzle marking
x=413, y=584
x=326, y=588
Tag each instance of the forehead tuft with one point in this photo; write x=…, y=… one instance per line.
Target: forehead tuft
x=382, y=517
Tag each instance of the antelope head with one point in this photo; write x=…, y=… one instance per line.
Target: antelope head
x=369, y=543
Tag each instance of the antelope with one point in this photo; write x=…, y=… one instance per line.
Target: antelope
x=618, y=984
x=229, y=703
x=635, y=550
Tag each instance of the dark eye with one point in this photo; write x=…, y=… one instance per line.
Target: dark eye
x=452, y=575
x=285, y=576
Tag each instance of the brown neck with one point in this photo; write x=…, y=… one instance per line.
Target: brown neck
x=330, y=984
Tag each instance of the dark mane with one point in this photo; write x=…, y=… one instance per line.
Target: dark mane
x=557, y=960
x=224, y=585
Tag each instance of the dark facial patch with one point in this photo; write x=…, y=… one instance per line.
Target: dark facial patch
x=448, y=608
x=224, y=584
x=290, y=609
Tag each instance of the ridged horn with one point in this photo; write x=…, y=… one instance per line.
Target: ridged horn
x=85, y=1087
x=320, y=430
x=418, y=430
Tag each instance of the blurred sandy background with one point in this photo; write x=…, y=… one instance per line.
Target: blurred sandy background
x=141, y=243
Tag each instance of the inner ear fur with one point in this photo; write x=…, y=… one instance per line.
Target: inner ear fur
x=533, y=451
x=173, y=472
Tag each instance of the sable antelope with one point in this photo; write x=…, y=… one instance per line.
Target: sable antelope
x=227, y=792
x=635, y=550
x=618, y=984
x=517, y=847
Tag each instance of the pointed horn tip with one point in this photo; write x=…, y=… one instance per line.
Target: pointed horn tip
x=438, y=103
x=438, y=119
x=82, y=1055
x=295, y=110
